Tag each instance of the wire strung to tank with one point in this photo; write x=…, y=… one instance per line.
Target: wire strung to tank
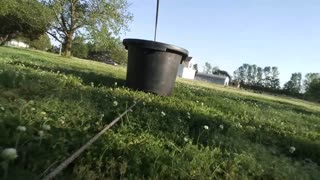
x=156, y=24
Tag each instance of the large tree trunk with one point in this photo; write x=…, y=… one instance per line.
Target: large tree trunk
x=67, y=45
x=69, y=35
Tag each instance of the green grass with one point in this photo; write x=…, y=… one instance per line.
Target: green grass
x=249, y=135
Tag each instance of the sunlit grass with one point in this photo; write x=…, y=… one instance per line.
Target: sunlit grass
x=50, y=106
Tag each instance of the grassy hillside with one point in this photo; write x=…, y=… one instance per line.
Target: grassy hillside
x=201, y=132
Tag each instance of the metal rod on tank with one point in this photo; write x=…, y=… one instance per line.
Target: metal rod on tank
x=156, y=25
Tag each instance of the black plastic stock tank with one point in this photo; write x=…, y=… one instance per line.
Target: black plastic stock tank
x=152, y=66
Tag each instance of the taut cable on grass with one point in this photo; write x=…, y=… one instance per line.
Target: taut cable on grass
x=76, y=154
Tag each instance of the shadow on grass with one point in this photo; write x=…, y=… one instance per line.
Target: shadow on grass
x=266, y=136
x=169, y=126
x=173, y=129
x=87, y=77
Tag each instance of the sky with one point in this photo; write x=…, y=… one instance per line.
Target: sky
x=228, y=33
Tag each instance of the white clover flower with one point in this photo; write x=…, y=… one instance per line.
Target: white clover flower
x=185, y=139
x=115, y=103
x=205, y=127
x=197, y=101
x=221, y=127
x=9, y=154
x=92, y=84
x=33, y=109
x=45, y=118
x=202, y=104
x=282, y=123
x=292, y=149
x=43, y=113
x=41, y=133
x=2, y=108
x=21, y=128
x=115, y=83
x=46, y=127
x=163, y=113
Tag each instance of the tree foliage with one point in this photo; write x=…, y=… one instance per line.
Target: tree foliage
x=28, y=18
x=110, y=46
x=80, y=48
x=221, y=73
x=293, y=86
x=275, y=81
x=313, y=90
x=41, y=43
x=259, y=77
x=93, y=19
x=309, y=77
x=207, y=68
x=252, y=75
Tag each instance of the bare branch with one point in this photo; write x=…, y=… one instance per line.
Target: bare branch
x=54, y=36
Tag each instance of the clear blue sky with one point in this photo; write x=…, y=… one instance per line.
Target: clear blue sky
x=228, y=33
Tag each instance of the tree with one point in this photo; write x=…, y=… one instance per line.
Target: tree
x=240, y=74
x=41, y=43
x=313, y=90
x=250, y=75
x=293, y=86
x=110, y=47
x=259, y=76
x=308, y=79
x=118, y=53
x=275, y=81
x=215, y=69
x=221, y=73
x=267, y=78
x=207, y=68
x=79, y=48
x=254, y=74
x=96, y=18
x=28, y=18
x=254, y=77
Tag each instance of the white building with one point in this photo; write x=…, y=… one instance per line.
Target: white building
x=185, y=70
x=16, y=43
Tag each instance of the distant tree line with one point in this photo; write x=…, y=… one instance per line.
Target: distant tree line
x=258, y=78
x=266, y=79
